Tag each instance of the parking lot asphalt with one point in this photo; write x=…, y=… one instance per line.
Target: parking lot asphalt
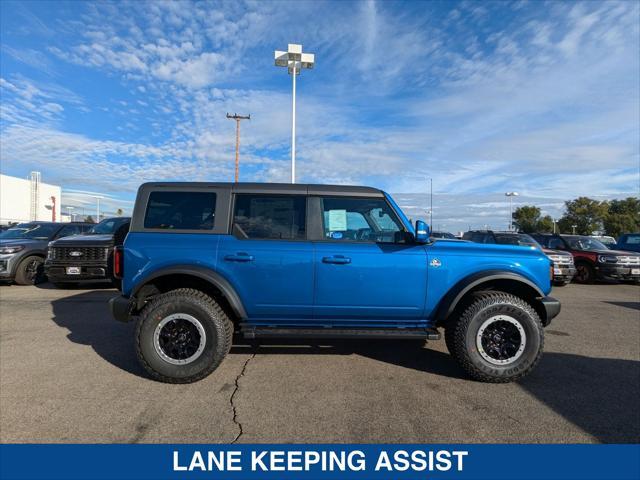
x=68, y=373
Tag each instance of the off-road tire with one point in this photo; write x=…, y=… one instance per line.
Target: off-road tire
x=23, y=273
x=216, y=323
x=585, y=273
x=460, y=337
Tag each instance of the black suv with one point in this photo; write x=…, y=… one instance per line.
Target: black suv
x=23, y=249
x=593, y=259
x=86, y=257
x=563, y=266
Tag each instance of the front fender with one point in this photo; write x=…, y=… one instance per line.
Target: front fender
x=450, y=301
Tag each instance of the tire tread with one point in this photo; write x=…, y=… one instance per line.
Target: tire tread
x=217, y=314
x=455, y=335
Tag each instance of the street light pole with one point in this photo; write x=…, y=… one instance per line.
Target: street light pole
x=431, y=202
x=511, y=195
x=295, y=61
x=293, y=127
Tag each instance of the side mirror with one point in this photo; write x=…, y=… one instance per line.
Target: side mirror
x=422, y=232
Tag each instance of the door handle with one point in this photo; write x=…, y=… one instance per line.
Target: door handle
x=239, y=257
x=336, y=259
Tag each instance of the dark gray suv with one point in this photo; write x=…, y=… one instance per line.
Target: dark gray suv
x=23, y=249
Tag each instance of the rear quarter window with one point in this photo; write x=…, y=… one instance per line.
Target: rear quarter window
x=182, y=210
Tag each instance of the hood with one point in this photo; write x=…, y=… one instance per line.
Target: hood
x=22, y=241
x=82, y=240
x=621, y=253
x=548, y=251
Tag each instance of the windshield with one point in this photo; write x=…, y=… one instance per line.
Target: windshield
x=585, y=243
x=109, y=225
x=521, y=239
x=35, y=231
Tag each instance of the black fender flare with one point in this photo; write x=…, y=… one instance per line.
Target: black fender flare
x=206, y=274
x=450, y=301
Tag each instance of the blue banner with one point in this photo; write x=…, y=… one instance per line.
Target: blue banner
x=352, y=461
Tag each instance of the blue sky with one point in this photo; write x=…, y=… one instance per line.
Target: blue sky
x=484, y=97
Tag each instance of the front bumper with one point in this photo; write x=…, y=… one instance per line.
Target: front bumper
x=551, y=307
x=120, y=308
x=563, y=273
x=620, y=272
x=57, y=272
x=8, y=264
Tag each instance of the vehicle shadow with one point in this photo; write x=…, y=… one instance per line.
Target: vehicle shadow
x=599, y=395
x=86, y=316
x=631, y=305
x=403, y=353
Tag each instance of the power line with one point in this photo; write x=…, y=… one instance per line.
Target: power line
x=238, y=119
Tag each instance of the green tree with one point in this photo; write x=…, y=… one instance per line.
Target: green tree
x=529, y=219
x=622, y=216
x=585, y=213
x=119, y=212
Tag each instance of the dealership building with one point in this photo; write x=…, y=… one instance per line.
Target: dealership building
x=28, y=199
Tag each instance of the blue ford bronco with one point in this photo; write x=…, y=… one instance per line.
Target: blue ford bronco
x=203, y=261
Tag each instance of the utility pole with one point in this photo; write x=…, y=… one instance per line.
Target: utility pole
x=238, y=119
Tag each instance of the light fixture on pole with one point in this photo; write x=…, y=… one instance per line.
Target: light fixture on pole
x=573, y=229
x=69, y=213
x=511, y=195
x=295, y=61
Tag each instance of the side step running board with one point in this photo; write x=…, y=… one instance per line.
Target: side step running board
x=251, y=332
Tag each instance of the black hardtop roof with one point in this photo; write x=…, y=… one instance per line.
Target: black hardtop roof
x=290, y=188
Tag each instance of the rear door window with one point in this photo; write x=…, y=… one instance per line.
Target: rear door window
x=270, y=217
x=180, y=210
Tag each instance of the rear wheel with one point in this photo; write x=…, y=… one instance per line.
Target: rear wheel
x=30, y=271
x=182, y=336
x=584, y=273
x=499, y=338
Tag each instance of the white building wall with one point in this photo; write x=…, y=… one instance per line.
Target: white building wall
x=15, y=200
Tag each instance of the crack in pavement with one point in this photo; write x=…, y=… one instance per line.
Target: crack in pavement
x=233, y=406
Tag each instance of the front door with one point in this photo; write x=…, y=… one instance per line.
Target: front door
x=267, y=257
x=366, y=267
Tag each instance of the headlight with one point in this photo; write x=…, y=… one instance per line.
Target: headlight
x=11, y=249
x=555, y=258
x=607, y=259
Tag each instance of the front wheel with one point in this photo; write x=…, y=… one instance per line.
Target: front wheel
x=30, y=271
x=499, y=338
x=584, y=273
x=182, y=336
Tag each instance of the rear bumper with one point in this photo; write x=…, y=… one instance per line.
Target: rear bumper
x=120, y=308
x=551, y=307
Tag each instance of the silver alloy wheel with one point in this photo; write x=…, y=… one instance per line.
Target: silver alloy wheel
x=501, y=340
x=188, y=337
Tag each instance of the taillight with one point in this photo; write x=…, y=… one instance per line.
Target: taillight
x=118, y=262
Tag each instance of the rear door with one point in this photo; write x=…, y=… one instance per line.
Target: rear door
x=268, y=258
x=366, y=269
